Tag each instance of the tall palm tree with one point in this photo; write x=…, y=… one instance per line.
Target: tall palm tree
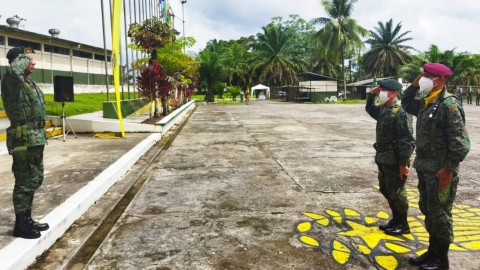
x=387, y=52
x=340, y=32
x=210, y=71
x=235, y=63
x=277, y=63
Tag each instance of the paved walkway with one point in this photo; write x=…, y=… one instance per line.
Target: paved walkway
x=278, y=186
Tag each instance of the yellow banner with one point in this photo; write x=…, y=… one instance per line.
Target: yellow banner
x=116, y=16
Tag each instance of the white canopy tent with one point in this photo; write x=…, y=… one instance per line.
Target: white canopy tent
x=261, y=87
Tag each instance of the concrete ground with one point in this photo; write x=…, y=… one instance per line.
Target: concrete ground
x=69, y=166
x=279, y=186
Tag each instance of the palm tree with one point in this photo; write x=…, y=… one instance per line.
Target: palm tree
x=340, y=32
x=235, y=63
x=387, y=52
x=277, y=63
x=210, y=71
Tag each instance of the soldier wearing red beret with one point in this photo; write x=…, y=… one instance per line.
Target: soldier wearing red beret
x=442, y=143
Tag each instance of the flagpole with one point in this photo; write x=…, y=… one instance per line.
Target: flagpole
x=126, y=49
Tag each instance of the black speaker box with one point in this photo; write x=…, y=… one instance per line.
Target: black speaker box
x=63, y=88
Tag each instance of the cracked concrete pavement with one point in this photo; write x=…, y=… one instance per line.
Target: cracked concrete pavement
x=229, y=193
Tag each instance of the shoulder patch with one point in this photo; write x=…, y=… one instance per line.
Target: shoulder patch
x=452, y=107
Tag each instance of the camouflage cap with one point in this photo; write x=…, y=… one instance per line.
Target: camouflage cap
x=390, y=84
x=14, y=52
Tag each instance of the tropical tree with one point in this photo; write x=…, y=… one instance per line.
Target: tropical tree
x=235, y=64
x=340, y=33
x=277, y=63
x=387, y=52
x=210, y=71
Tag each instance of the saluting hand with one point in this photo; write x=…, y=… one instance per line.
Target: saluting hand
x=415, y=83
x=376, y=90
x=444, y=178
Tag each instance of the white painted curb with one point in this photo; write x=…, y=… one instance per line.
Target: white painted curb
x=19, y=254
x=171, y=119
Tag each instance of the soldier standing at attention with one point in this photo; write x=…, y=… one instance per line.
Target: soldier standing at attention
x=460, y=95
x=26, y=138
x=477, y=99
x=442, y=143
x=469, y=95
x=394, y=146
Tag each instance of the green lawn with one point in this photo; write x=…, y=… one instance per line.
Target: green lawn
x=84, y=103
x=353, y=101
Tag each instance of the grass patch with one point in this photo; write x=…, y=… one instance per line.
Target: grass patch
x=84, y=103
x=228, y=102
x=198, y=97
x=354, y=101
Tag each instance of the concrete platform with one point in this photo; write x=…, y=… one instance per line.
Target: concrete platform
x=230, y=192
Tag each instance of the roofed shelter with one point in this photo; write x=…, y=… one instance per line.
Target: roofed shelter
x=264, y=91
x=360, y=89
x=319, y=86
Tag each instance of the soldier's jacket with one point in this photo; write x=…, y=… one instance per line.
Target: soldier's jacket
x=450, y=133
x=24, y=104
x=402, y=132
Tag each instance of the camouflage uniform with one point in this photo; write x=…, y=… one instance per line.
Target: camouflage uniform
x=25, y=105
x=388, y=158
x=449, y=147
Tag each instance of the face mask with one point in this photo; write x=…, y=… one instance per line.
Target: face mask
x=426, y=84
x=383, y=96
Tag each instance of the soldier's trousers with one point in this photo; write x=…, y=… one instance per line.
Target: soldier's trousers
x=438, y=216
x=477, y=101
x=28, y=178
x=392, y=187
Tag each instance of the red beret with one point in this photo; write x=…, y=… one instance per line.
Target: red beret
x=437, y=69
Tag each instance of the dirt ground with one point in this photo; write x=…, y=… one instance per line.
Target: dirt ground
x=279, y=186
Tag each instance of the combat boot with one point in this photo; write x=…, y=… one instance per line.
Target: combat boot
x=34, y=224
x=23, y=229
x=439, y=261
x=392, y=222
x=401, y=227
x=425, y=257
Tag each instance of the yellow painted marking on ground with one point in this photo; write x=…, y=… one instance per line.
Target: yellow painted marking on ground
x=332, y=213
x=340, y=257
x=466, y=238
x=382, y=214
x=475, y=210
x=425, y=243
x=456, y=211
x=371, y=235
x=423, y=238
x=457, y=248
x=419, y=253
x=466, y=220
x=304, y=227
x=466, y=215
x=54, y=133
x=106, y=136
x=339, y=246
x=323, y=222
x=387, y=262
x=421, y=217
x=408, y=236
x=414, y=205
x=3, y=114
x=461, y=228
x=415, y=224
x=352, y=213
x=459, y=206
x=363, y=249
x=338, y=219
x=466, y=233
x=3, y=137
x=370, y=220
x=411, y=219
x=48, y=125
x=309, y=241
x=314, y=216
x=471, y=245
x=418, y=229
x=377, y=187
x=426, y=234
x=397, y=248
x=457, y=224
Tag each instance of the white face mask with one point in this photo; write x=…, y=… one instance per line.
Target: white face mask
x=426, y=84
x=383, y=96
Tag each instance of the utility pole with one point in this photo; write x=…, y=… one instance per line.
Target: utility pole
x=105, y=50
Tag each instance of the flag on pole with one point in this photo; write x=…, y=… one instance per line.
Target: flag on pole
x=116, y=16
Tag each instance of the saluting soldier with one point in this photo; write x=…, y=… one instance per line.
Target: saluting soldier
x=394, y=145
x=25, y=107
x=442, y=143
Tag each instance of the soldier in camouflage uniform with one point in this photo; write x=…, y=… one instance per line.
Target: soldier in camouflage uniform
x=394, y=146
x=25, y=107
x=442, y=143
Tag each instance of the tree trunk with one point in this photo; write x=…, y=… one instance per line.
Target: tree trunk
x=153, y=57
x=210, y=97
x=344, y=84
x=157, y=108
x=164, y=105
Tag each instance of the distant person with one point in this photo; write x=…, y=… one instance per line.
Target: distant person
x=248, y=97
x=469, y=96
x=241, y=96
x=477, y=100
x=442, y=143
x=26, y=138
x=394, y=145
x=460, y=95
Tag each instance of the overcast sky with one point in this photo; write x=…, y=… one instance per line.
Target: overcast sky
x=448, y=24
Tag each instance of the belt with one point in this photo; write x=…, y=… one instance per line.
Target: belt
x=384, y=147
x=35, y=124
x=431, y=155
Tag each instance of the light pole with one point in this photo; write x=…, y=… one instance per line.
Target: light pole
x=183, y=20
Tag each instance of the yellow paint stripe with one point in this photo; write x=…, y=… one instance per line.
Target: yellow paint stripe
x=48, y=125
x=54, y=133
x=466, y=233
x=3, y=114
x=466, y=238
x=3, y=137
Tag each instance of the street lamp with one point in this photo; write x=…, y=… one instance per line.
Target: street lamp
x=183, y=20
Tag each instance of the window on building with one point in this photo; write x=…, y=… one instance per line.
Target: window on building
x=101, y=57
x=81, y=54
x=2, y=40
x=13, y=42
x=56, y=49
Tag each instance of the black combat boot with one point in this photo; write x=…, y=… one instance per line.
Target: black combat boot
x=401, y=227
x=439, y=261
x=34, y=224
x=425, y=257
x=23, y=229
x=392, y=222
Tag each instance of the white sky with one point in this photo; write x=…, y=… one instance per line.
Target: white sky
x=448, y=24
